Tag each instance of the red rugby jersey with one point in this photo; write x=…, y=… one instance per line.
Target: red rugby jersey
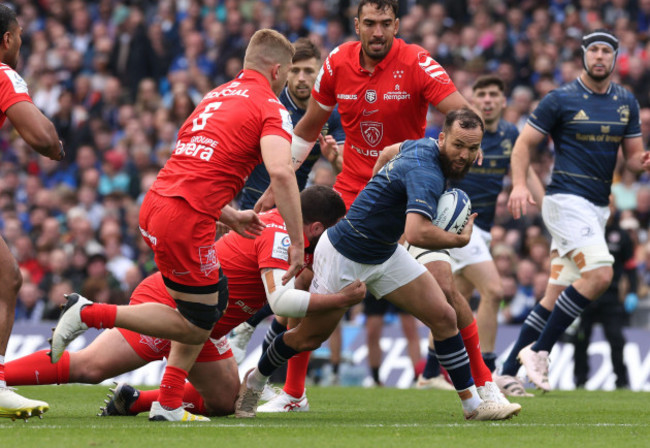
x=380, y=108
x=242, y=260
x=13, y=89
x=219, y=144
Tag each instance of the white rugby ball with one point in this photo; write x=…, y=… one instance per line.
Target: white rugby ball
x=454, y=209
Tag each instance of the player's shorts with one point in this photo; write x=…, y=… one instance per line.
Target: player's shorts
x=574, y=222
x=152, y=290
x=333, y=271
x=476, y=251
x=183, y=242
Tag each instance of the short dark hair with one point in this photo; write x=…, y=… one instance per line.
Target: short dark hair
x=379, y=4
x=305, y=49
x=321, y=204
x=466, y=118
x=489, y=80
x=7, y=19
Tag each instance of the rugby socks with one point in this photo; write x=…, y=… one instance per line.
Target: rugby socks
x=37, y=368
x=275, y=356
x=432, y=367
x=530, y=331
x=99, y=315
x=261, y=314
x=296, y=374
x=568, y=307
x=374, y=371
x=144, y=400
x=453, y=357
x=490, y=360
x=193, y=401
x=172, y=387
x=2, y=372
x=480, y=372
x=275, y=329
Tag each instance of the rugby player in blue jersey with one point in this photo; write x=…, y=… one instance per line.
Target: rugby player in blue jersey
x=588, y=120
x=401, y=198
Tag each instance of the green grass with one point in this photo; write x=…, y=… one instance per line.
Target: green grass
x=347, y=417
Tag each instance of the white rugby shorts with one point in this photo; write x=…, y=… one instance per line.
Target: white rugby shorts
x=476, y=251
x=574, y=222
x=333, y=271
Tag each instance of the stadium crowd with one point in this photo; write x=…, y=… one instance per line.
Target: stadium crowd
x=118, y=78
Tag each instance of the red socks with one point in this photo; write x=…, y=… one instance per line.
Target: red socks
x=296, y=374
x=480, y=371
x=172, y=387
x=37, y=368
x=99, y=315
x=191, y=399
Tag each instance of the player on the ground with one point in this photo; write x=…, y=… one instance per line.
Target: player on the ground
x=588, y=120
x=473, y=265
x=254, y=268
x=400, y=199
x=235, y=127
x=39, y=133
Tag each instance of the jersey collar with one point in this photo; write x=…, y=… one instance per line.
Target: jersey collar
x=392, y=54
x=584, y=86
x=285, y=94
x=249, y=73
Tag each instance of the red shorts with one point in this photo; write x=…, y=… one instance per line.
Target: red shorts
x=182, y=239
x=152, y=289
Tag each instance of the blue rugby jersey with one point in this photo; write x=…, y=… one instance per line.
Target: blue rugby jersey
x=259, y=180
x=412, y=182
x=587, y=129
x=484, y=183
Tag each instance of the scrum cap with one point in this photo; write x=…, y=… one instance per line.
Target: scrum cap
x=600, y=36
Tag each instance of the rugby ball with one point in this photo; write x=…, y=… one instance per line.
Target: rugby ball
x=454, y=209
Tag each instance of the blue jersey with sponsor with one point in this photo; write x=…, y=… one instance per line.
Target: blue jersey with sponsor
x=411, y=182
x=259, y=179
x=484, y=183
x=587, y=128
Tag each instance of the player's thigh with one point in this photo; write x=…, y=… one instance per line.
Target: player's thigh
x=108, y=355
x=485, y=277
x=423, y=298
x=216, y=381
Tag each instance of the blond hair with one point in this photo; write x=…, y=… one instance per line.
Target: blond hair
x=268, y=47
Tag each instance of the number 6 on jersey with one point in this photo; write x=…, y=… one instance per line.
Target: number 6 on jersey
x=200, y=122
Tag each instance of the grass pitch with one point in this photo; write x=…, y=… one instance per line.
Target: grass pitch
x=346, y=417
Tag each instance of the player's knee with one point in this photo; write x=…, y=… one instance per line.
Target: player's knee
x=444, y=326
x=494, y=292
x=90, y=373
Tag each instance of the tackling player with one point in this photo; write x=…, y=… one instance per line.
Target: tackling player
x=254, y=269
x=588, y=120
x=235, y=127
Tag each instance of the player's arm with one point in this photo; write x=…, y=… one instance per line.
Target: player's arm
x=287, y=300
x=276, y=156
x=520, y=196
x=306, y=132
x=535, y=185
x=244, y=222
x=636, y=158
x=36, y=129
x=421, y=232
x=386, y=154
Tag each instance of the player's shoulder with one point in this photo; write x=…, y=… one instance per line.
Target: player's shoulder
x=344, y=52
x=416, y=147
x=622, y=92
x=9, y=76
x=507, y=127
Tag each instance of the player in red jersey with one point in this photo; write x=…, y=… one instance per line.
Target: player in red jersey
x=254, y=268
x=235, y=127
x=383, y=87
x=40, y=134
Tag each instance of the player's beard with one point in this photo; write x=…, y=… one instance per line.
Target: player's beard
x=447, y=166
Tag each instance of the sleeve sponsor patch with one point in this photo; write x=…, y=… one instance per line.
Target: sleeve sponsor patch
x=281, y=243
x=19, y=84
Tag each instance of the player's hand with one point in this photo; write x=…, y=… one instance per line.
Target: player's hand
x=354, y=293
x=466, y=234
x=248, y=224
x=479, y=157
x=645, y=160
x=296, y=262
x=328, y=147
x=519, y=199
x=60, y=155
x=265, y=202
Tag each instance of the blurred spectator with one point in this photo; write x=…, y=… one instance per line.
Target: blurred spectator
x=30, y=306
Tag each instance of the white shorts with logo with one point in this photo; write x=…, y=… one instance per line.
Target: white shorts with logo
x=333, y=271
x=574, y=222
x=476, y=251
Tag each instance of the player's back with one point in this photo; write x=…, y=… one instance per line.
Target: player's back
x=411, y=182
x=219, y=144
